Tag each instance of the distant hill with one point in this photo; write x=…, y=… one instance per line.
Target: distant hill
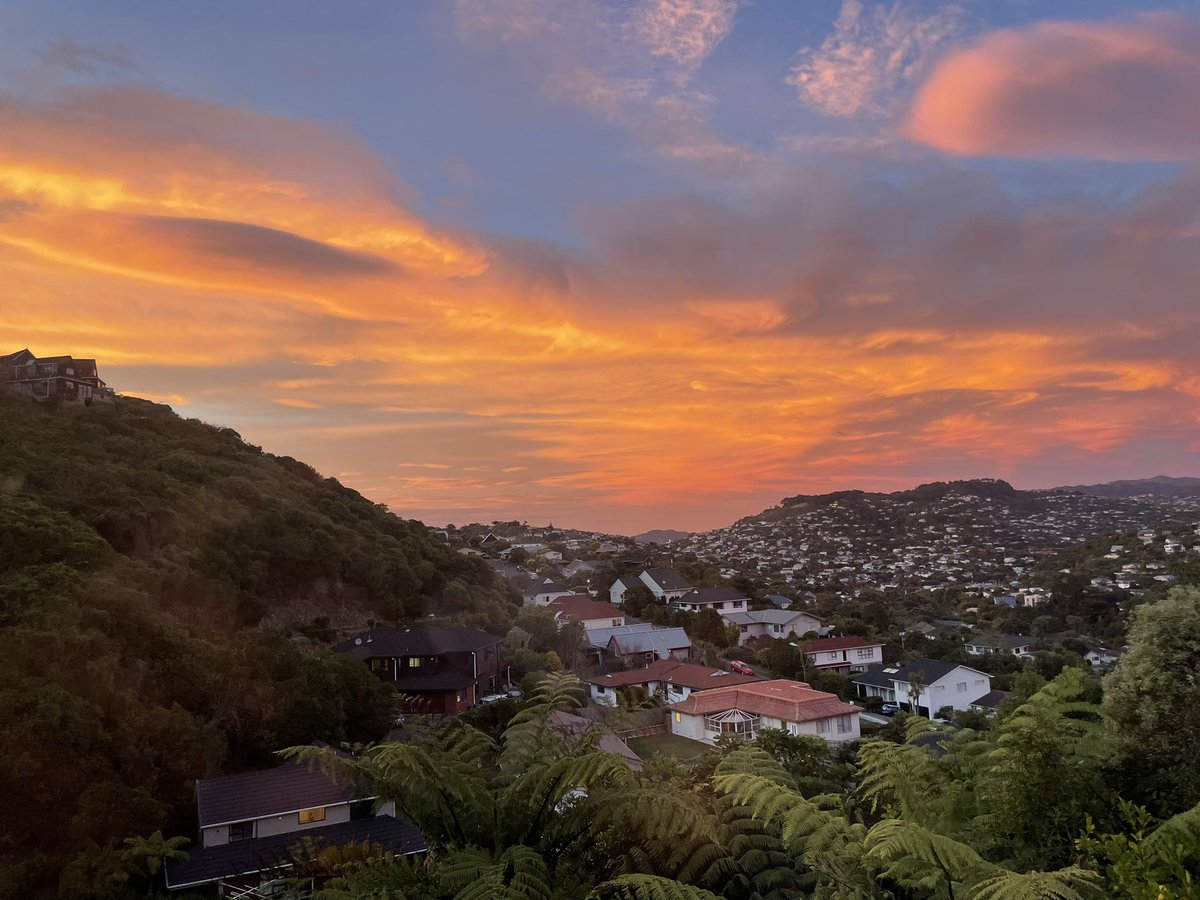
x=992, y=488
x=660, y=536
x=1158, y=486
x=166, y=590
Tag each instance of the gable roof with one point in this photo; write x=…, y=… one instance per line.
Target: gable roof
x=792, y=701
x=577, y=726
x=668, y=579
x=990, y=700
x=253, y=795
x=768, y=616
x=688, y=675
x=711, y=595
x=781, y=600
x=659, y=641
x=1001, y=641
x=932, y=669
x=582, y=606
x=416, y=640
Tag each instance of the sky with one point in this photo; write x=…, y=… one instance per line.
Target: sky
x=621, y=264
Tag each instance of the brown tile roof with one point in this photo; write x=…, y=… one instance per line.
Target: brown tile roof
x=689, y=675
x=792, y=701
x=582, y=606
x=824, y=645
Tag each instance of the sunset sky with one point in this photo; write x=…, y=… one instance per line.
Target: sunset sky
x=621, y=264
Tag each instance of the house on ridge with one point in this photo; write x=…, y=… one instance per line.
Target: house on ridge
x=665, y=584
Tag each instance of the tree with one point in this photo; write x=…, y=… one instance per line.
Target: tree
x=916, y=687
x=1152, y=701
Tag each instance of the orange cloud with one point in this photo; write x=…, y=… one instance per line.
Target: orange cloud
x=692, y=363
x=1117, y=90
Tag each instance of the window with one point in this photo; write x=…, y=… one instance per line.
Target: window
x=938, y=688
x=241, y=831
x=823, y=726
x=616, y=623
x=961, y=687
x=843, y=723
x=308, y=816
x=414, y=662
x=979, y=682
x=738, y=604
x=865, y=653
x=462, y=695
x=778, y=629
x=678, y=718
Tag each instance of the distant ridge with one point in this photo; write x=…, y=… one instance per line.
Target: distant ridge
x=660, y=536
x=1158, y=486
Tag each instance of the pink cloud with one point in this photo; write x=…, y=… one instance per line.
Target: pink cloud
x=1118, y=90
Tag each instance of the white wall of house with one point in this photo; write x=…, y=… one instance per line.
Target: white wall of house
x=856, y=659
x=834, y=730
x=688, y=726
x=269, y=825
x=616, y=593
x=957, y=689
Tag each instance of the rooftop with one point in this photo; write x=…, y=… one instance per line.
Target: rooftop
x=792, y=701
x=417, y=640
x=689, y=675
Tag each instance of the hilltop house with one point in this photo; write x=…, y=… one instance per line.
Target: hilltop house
x=942, y=684
x=671, y=679
x=588, y=612
x=844, y=654
x=444, y=670
x=639, y=644
x=250, y=822
x=746, y=709
x=542, y=594
x=772, y=623
x=665, y=584
x=721, y=599
x=1019, y=645
x=61, y=378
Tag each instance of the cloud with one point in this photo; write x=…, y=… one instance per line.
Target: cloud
x=85, y=60
x=1118, y=90
x=685, y=31
x=866, y=321
x=872, y=56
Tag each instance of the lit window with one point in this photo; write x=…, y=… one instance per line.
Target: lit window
x=308, y=816
x=678, y=718
x=414, y=662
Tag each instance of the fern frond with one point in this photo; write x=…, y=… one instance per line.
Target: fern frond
x=1065, y=884
x=648, y=887
x=1182, y=831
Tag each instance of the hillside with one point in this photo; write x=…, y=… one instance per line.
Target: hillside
x=660, y=536
x=165, y=594
x=987, y=488
x=1158, y=486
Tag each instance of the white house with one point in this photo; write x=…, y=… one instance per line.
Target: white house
x=542, y=594
x=773, y=623
x=747, y=709
x=723, y=600
x=665, y=584
x=943, y=684
x=588, y=612
x=616, y=593
x=1019, y=645
x=844, y=654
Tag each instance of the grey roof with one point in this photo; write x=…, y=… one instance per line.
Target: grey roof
x=577, y=726
x=639, y=638
x=711, y=595
x=252, y=795
x=991, y=699
x=205, y=865
x=668, y=579
x=768, y=616
x=417, y=640
x=932, y=669
x=780, y=600
x=1002, y=641
x=628, y=582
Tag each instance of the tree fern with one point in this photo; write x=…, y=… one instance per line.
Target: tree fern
x=648, y=887
x=1065, y=884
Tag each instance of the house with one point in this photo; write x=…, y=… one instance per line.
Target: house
x=1005, y=600
x=1101, y=658
x=1019, y=645
x=844, y=654
x=572, y=729
x=746, y=709
x=576, y=566
x=61, y=378
x=721, y=599
x=780, y=600
x=641, y=643
x=942, y=684
x=616, y=593
x=444, y=670
x=989, y=702
x=588, y=612
x=542, y=594
x=772, y=623
x=250, y=822
x=668, y=678
x=504, y=569
x=665, y=584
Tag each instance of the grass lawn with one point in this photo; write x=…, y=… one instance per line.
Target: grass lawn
x=672, y=744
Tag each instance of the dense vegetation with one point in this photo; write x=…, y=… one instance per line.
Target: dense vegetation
x=1021, y=809
x=164, y=591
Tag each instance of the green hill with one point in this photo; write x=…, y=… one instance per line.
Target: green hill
x=165, y=594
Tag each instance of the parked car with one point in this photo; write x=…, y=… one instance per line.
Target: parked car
x=736, y=665
x=889, y=709
x=492, y=698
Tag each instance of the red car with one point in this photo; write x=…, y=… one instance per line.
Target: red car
x=740, y=667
